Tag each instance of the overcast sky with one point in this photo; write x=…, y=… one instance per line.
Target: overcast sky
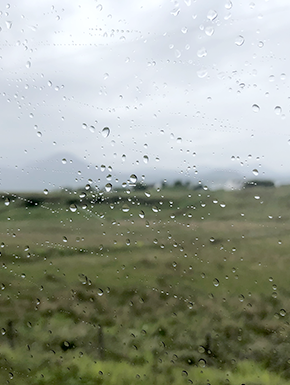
x=181, y=85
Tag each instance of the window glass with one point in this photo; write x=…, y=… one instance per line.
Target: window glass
x=144, y=228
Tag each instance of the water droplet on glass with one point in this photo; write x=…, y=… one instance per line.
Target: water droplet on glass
x=39, y=134
x=283, y=312
x=7, y=201
x=73, y=208
x=202, y=73
x=83, y=278
x=105, y=132
x=212, y=239
x=133, y=178
x=103, y=167
x=28, y=64
x=146, y=159
x=228, y=4
x=142, y=214
x=155, y=209
x=45, y=191
x=201, y=363
x=239, y=40
x=216, y=282
x=8, y=24
x=63, y=161
x=125, y=208
x=202, y=52
x=84, y=126
x=257, y=197
x=64, y=239
x=255, y=172
x=184, y=30
x=175, y=11
x=23, y=275
x=278, y=110
x=271, y=78
x=223, y=205
x=209, y=31
x=211, y=15
x=92, y=129
x=100, y=292
x=255, y=108
x=108, y=187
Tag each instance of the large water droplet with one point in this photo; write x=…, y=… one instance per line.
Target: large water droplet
x=108, y=187
x=228, y=4
x=64, y=239
x=278, y=110
x=255, y=108
x=209, y=31
x=216, y=282
x=125, y=208
x=105, y=132
x=202, y=52
x=146, y=159
x=202, y=73
x=239, y=40
x=211, y=15
x=8, y=24
x=142, y=214
x=73, y=208
x=255, y=172
x=7, y=201
x=133, y=178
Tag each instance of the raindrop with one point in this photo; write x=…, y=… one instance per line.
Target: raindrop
x=155, y=209
x=100, y=292
x=125, y=208
x=73, y=208
x=201, y=363
x=63, y=161
x=223, y=205
x=92, y=129
x=146, y=159
x=84, y=126
x=64, y=239
x=28, y=64
x=142, y=214
x=257, y=197
x=202, y=52
x=83, y=278
x=212, y=239
x=255, y=108
x=7, y=201
x=216, y=282
x=45, y=191
x=106, y=75
x=8, y=24
x=239, y=40
x=22, y=275
x=105, y=132
x=209, y=31
x=123, y=158
x=184, y=30
x=202, y=73
x=211, y=15
x=255, y=172
x=278, y=110
x=175, y=11
x=39, y=134
x=108, y=187
x=282, y=312
x=133, y=178
x=103, y=167
x=228, y=4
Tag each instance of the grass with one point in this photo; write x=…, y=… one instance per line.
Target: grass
x=177, y=286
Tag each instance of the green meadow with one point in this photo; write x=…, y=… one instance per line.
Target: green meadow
x=157, y=286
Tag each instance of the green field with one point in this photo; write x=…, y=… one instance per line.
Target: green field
x=161, y=286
